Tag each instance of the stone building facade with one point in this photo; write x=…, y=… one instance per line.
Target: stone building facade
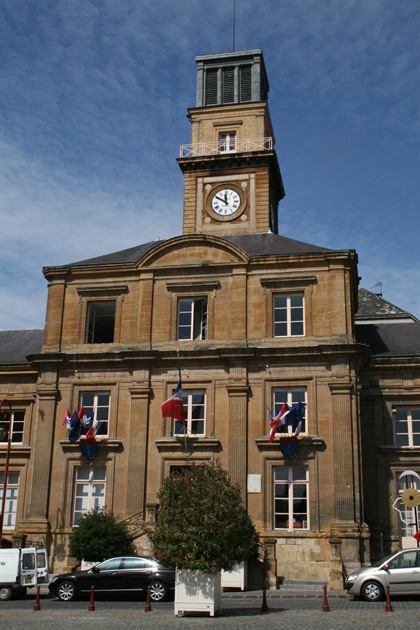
x=253, y=320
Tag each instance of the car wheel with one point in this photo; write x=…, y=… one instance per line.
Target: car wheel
x=6, y=593
x=372, y=591
x=66, y=591
x=158, y=591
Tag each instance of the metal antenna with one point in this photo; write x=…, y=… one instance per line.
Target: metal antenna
x=233, y=25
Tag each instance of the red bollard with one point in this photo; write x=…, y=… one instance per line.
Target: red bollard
x=91, y=606
x=264, y=607
x=148, y=607
x=325, y=607
x=37, y=605
x=388, y=605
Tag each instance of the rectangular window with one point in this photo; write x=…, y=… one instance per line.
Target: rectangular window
x=13, y=427
x=192, y=318
x=100, y=322
x=291, y=397
x=98, y=405
x=409, y=517
x=290, y=497
x=12, y=491
x=89, y=491
x=407, y=426
x=288, y=315
x=195, y=414
x=227, y=142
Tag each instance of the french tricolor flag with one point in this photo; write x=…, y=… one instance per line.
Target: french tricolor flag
x=174, y=406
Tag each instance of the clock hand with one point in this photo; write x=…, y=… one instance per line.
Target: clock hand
x=221, y=199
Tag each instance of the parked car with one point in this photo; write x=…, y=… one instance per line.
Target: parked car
x=401, y=571
x=131, y=574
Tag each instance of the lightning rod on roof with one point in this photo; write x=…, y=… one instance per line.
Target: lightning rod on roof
x=378, y=285
x=233, y=25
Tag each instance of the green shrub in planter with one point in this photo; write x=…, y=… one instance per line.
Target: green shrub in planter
x=202, y=523
x=99, y=536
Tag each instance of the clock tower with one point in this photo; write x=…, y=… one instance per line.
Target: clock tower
x=232, y=180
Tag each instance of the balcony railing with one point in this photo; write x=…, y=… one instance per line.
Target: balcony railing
x=217, y=148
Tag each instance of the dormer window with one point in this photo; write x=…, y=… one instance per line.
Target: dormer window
x=227, y=142
x=100, y=322
x=192, y=318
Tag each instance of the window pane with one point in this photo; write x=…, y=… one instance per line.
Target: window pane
x=281, y=490
x=280, y=301
x=299, y=473
x=281, y=473
x=296, y=300
x=281, y=521
x=280, y=330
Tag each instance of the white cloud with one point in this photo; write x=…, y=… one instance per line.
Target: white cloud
x=94, y=97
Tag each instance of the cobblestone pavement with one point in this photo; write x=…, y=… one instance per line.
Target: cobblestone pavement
x=240, y=611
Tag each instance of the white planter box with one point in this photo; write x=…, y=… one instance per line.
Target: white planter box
x=196, y=591
x=237, y=577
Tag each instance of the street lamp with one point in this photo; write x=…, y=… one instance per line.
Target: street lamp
x=5, y=427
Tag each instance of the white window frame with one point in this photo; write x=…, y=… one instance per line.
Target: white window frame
x=196, y=318
x=410, y=416
x=12, y=497
x=16, y=427
x=290, y=311
x=289, y=396
x=227, y=141
x=100, y=411
x=192, y=410
x=87, y=481
x=295, y=521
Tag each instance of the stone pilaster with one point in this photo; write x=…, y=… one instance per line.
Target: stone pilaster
x=345, y=453
x=137, y=450
x=238, y=395
x=41, y=454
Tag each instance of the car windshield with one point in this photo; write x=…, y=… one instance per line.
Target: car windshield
x=383, y=561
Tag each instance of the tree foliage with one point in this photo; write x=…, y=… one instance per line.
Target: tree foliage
x=202, y=523
x=99, y=536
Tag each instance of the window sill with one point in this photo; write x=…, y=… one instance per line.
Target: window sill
x=179, y=443
x=314, y=440
x=16, y=449
x=107, y=442
x=399, y=449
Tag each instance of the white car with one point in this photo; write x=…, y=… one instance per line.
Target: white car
x=401, y=571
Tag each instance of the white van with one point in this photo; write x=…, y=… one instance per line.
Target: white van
x=21, y=569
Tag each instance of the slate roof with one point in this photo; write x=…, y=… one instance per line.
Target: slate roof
x=373, y=306
x=255, y=245
x=15, y=345
x=398, y=339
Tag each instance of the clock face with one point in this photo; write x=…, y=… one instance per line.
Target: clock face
x=226, y=202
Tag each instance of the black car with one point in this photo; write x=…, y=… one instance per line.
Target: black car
x=130, y=574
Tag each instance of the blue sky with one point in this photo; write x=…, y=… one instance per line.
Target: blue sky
x=94, y=95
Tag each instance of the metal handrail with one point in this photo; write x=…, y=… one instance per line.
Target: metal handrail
x=216, y=148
